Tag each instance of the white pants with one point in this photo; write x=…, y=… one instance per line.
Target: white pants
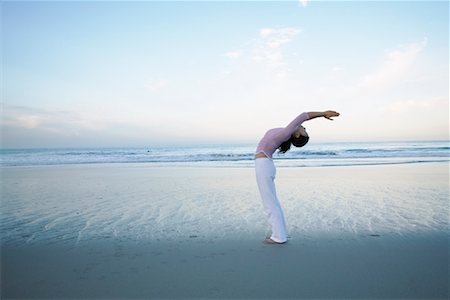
x=265, y=176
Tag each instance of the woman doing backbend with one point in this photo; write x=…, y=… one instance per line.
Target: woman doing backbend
x=281, y=139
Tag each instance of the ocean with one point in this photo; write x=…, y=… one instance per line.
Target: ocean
x=312, y=155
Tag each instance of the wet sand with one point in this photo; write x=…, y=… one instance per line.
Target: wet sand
x=369, y=267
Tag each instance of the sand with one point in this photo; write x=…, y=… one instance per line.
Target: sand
x=139, y=231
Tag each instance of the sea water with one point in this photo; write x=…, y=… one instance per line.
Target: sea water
x=313, y=154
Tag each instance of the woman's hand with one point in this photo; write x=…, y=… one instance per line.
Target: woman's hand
x=329, y=114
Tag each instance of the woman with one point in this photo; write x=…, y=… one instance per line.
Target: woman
x=281, y=139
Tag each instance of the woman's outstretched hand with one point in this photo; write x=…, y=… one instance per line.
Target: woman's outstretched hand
x=329, y=114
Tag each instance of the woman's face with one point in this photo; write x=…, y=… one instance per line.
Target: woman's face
x=300, y=131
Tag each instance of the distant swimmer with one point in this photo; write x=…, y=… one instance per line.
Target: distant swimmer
x=282, y=139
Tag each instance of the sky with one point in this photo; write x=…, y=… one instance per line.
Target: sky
x=118, y=74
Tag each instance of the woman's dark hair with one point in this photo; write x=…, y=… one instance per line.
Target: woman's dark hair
x=297, y=142
x=285, y=146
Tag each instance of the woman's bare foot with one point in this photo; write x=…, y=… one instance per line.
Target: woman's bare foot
x=270, y=241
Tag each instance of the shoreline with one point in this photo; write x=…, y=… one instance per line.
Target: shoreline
x=280, y=163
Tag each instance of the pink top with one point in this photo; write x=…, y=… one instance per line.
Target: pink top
x=276, y=136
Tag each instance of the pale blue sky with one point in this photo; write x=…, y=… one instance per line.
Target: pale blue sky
x=144, y=73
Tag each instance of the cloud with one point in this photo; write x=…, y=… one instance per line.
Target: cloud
x=64, y=123
x=395, y=66
x=436, y=105
x=421, y=118
x=264, y=53
x=28, y=121
x=275, y=38
x=233, y=54
x=19, y=116
x=269, y=48
x=304, y=3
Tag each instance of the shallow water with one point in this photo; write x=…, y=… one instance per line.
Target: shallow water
x=79, y=203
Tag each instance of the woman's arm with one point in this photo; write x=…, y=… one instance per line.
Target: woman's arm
x=326, y=114
x=286, y=132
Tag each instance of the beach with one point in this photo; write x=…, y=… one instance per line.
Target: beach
x=135, y=230
x=129, y=132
